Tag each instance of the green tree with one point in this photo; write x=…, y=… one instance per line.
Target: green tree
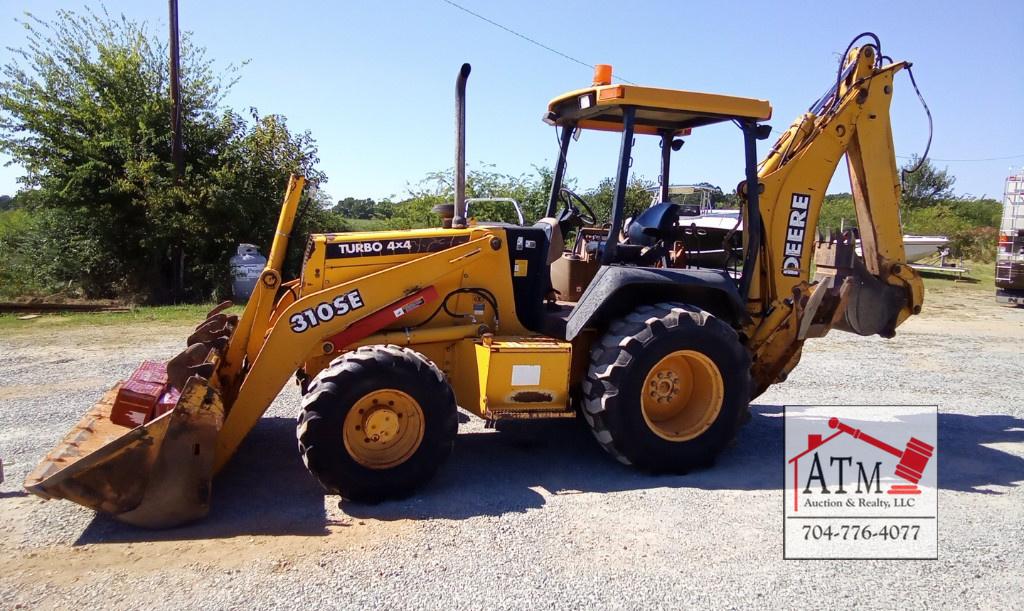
x=926, y=186
x=84, y=108
x=531, y=191
x=638, y=197
x=837, y=211
x=353, y=208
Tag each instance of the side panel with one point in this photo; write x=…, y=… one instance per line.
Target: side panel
x=509, y=375
x=527, y=251
x=336, y=259
x=523, y=374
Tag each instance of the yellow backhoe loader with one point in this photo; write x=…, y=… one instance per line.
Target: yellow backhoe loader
x=388, y=332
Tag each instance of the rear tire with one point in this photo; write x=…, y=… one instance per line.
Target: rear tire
x=668, y=387
x=377, y=423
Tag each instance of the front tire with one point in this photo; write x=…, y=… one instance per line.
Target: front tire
x=377, y=423
x=668, y=387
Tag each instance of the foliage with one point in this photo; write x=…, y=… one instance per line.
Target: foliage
x=352, y=208
x=925, y=186
x=531, y=191
x=970, y=224
x=928, y=207
x=975, y=244
x=638, y=197
x=718, y=199
x=18, y=273
x=84, y=108
x=837, y=211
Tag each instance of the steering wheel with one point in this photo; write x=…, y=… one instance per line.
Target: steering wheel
x=586, y=214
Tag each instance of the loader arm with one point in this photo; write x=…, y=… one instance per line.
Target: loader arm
x=872, y=297
x=303, y=327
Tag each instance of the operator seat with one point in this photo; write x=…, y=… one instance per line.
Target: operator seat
x=644, y=236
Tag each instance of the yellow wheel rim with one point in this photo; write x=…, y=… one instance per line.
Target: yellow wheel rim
x=682, y=395
x=383, y=429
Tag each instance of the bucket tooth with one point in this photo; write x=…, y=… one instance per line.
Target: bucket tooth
x=178, y=368
x=220, y=307
x=219, y=325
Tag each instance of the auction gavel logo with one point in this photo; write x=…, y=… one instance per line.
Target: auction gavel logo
x=913, y=459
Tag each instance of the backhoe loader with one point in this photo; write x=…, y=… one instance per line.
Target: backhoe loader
x=390, y=332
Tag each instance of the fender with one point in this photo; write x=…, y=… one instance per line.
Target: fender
x=618, y=289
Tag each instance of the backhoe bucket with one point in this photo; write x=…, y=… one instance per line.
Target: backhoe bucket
x=861, y=303
x=157, y=474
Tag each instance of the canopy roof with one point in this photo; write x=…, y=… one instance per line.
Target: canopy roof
x=657, y=110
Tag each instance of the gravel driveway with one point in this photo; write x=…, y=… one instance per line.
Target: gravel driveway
x=530, y=518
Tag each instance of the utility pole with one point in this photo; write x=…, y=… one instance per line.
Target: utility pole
x=177, y=154
x=177, y=252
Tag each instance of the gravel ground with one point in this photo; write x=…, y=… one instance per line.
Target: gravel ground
x=535, y=518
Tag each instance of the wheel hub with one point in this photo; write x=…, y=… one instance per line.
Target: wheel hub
x=682, y=395
x=381, y=425
x=383, y=429
x=664, y=387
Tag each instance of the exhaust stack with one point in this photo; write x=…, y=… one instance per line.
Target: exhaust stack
x=459, y=220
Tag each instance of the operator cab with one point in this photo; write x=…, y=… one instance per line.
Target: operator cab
x=655, y=238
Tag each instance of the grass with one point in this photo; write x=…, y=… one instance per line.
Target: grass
x=981, y=277
x=146, y=315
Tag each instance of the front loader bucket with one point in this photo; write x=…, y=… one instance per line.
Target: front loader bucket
x=156, y=475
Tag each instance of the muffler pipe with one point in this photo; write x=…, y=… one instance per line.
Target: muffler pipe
x=459, y=220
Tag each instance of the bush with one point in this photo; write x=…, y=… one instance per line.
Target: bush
x=976, y=244
x=19, y=273
x=970, y=224
x=837, y=210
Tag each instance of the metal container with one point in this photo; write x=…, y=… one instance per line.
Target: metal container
x=246, y=267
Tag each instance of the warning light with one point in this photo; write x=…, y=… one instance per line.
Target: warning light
x=602, y=74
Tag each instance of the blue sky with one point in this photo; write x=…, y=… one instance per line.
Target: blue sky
x=373, y=81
